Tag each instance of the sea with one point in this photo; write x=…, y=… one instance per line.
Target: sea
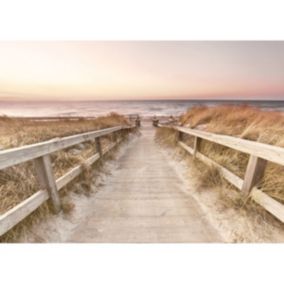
x=145, y=108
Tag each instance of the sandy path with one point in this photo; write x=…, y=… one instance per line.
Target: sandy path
x=144, y=201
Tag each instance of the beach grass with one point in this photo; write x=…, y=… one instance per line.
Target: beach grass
x=19, y=182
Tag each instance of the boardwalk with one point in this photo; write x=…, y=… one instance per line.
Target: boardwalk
x=143, y=201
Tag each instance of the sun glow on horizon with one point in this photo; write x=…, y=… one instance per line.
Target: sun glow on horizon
x=97, y=70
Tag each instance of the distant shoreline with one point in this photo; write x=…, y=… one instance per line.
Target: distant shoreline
x=72, y=118
x=146, y=109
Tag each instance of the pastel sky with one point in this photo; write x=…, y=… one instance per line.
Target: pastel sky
x=95, y=70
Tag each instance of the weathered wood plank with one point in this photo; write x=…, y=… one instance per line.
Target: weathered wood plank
x=70, y=175
x=180, y=136
x=254, y=173
x=46, y=180
x=12, y=217
x=231, y=177
x=19, y=155
x=186, y=147
x=228, y=175
x=196, y=145
x=109, y=147
x=270, y=204
x=265, y=151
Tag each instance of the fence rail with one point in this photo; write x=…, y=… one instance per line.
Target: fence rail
x=49, y=187
x=259, y=153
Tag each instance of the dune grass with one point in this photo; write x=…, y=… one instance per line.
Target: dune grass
x=19, y=182
x=245, y=122
x=16, y=132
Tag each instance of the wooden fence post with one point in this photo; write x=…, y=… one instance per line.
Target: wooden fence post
x=46, y=180
x=179, y=136
x=254, y=173
x=155, y=122
x=138, y=122
x=99, y=146
x=116, y=138
x=196, y=145
x=120, y=135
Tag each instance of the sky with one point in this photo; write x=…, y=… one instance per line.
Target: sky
x=97, y=70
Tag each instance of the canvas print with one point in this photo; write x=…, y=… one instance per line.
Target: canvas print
x=141, y=141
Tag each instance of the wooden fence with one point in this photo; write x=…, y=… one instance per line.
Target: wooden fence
x=40, y=154
x=259, y=155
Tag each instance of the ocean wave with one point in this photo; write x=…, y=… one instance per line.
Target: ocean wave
x=143, y=108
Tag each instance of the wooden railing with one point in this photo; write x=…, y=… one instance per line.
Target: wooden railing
x=49, y=187
x=259, y=155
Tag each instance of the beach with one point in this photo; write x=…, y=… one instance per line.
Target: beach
x=149, y=162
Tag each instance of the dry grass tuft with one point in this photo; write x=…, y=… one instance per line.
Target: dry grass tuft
x=241, y=121
x=166, y=136
x=19, y=182
x=67, y=207
x=210, y=177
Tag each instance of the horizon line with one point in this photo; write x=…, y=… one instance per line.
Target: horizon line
x=121, y=100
